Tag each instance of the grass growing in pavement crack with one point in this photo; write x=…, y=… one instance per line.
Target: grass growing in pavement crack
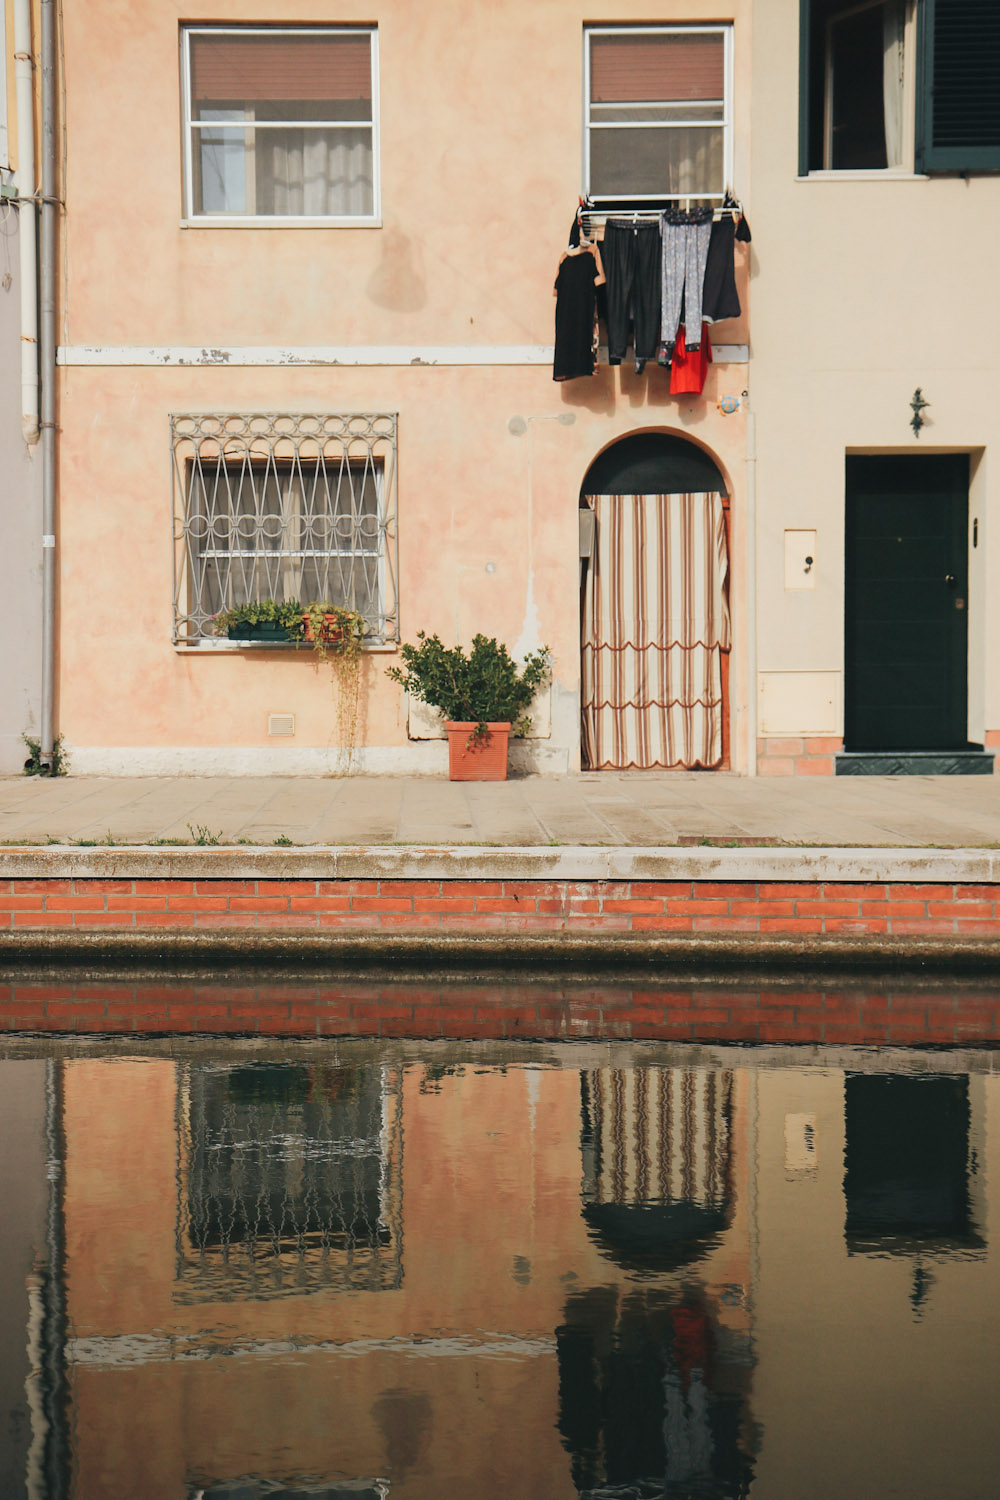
x=202, y=835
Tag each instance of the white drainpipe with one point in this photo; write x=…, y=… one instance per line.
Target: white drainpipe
x=27, y=188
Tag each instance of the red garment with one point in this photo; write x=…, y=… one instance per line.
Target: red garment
x=688, y=371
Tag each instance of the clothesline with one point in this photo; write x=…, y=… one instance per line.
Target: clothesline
x=592, y=218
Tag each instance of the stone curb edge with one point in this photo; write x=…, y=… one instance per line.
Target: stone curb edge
x=639, y=958
x=475, y=862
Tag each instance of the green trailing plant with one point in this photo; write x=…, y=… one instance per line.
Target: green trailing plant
x=335, y=633
x=482, y=686
x=287, y=614
x=34, y=766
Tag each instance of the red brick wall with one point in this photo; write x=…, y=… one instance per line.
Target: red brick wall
x=808, y=756
x=557, y=906
x=992, y=742
x=904, y=1017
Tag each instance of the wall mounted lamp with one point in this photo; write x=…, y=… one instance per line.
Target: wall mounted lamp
x=917, y=405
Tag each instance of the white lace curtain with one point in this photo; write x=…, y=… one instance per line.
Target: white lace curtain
x=655, y=624
x=315, y=173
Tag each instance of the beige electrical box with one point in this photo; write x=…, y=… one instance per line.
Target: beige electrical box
x=792, y=703
x=800, y=559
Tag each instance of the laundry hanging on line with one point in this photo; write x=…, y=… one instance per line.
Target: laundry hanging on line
x=660, y=280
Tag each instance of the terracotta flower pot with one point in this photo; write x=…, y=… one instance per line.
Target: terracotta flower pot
x=477, y=757
x=331, y=632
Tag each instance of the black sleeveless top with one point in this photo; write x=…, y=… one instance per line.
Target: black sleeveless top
x=576, y=315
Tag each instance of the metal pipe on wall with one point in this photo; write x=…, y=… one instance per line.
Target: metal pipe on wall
x=27, y=187
x=751, y=587
x=47, y=362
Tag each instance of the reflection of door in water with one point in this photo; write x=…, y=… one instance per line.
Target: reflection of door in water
x=907, y=1164
x=905, y=663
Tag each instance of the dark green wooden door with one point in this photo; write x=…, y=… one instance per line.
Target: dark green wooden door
x=906, y=605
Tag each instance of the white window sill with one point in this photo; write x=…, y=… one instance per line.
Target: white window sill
x=273, y=221
x=226, y=647
x=886, y=175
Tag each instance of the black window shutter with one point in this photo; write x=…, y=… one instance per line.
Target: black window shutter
x=958, y=119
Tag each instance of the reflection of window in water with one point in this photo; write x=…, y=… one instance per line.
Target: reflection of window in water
x=657, y=1166
x=290, y=1180
x=653, y=1397
x=908, y=1166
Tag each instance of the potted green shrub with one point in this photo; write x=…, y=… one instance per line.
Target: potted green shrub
x=482, y=694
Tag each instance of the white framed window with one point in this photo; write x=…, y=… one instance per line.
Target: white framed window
x=858, y=86
x=271, y=506
x=280, y=125
x=899, y=86
x=658, y=113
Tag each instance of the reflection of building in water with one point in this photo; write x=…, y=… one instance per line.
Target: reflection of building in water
x=33, y=1450
x=876, y=1301
x=290, y=1180
x=653, y=1396
x=911, y=1168
x=653, y=1383
x=237, y=1318
x=657, y=1170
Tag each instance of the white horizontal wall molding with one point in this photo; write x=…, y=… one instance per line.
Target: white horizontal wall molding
x=167, y=356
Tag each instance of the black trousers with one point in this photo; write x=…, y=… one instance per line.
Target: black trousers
x=631, y=256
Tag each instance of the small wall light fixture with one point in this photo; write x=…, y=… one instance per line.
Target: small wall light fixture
x=917, y=405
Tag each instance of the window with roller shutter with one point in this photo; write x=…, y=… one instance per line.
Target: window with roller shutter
x=280, y=124
x=657, y=114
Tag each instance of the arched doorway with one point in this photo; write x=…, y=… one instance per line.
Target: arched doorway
x=655, y=632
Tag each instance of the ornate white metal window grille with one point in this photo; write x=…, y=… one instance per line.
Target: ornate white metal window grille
x=269, y=505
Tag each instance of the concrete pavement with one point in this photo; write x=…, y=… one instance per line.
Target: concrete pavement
x=593, y=810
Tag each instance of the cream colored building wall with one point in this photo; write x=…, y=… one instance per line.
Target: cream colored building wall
x=481, y=122
x=863, y=290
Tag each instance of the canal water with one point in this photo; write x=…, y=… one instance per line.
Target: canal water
x=258, y=1270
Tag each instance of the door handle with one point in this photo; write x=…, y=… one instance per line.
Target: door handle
x=949, y=579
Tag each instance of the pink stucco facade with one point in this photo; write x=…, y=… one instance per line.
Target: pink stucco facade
x=480, y=119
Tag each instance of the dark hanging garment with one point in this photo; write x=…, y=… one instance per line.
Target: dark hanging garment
x=580, y=273
x=719, y=297
x=632, y=265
